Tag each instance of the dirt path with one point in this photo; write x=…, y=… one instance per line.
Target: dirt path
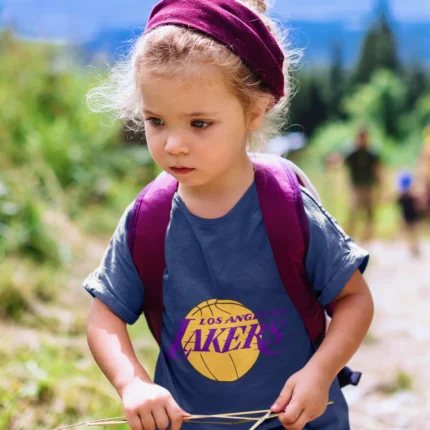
x=398, y=343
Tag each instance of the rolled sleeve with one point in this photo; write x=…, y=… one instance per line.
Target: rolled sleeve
x=332, y=256
x=357, y=259
x=116, y=281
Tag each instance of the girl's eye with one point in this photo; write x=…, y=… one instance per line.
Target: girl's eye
x=200, y=124
x=156, y=122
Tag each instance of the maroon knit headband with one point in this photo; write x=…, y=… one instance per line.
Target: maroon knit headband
x=232, y=24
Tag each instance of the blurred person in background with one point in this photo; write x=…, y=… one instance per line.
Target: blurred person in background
x=364, y=168
x=408, y=203
x=423, y=173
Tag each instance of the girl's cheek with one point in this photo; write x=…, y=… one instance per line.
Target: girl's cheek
x=153, y=138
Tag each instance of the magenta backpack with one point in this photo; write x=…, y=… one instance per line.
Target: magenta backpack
x=285, y=220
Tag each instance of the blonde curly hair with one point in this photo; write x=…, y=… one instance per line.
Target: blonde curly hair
x=169, y=50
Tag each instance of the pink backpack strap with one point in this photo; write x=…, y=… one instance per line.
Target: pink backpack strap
x=287, y=227
x=146, y=239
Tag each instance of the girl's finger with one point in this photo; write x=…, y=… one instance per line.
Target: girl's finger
x=147, y=421
x=161, y=418
x=175, y=415
x=291, y=414
x=284, y=398
x=300, y=423
x=134, y=422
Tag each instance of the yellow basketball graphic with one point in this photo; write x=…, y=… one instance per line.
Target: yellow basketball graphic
x=221, y=339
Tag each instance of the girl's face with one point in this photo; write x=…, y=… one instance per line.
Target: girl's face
x=195, y=127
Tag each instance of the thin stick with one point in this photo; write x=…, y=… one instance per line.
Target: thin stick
x=232, y=416
x=192, y=418
x=263, y=418
x=108, y=419
x=108, y=423
x=195, y=419
x=90, y=422
x=71, y=426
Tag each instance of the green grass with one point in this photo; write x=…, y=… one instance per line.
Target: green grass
x=402, y=381
x=60, y=383
x=14, y=300
x=57, y=384
x=370, y=339
x=52, y=379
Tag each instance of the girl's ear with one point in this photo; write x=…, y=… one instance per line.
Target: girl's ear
x=261, y=107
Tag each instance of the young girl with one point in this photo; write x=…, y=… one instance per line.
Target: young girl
x=203, y=80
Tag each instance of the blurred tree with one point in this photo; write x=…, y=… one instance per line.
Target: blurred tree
x=417, y=83
x=380, y=102
x=318, y=113
x=422, y=111
x=336, y=85
x=378, y=51
x=309, y=108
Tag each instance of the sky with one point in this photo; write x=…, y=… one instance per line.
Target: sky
x=320, y=10
x=82, y=19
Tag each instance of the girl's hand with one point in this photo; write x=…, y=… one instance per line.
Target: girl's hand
x=148, y=406
x=303, y=399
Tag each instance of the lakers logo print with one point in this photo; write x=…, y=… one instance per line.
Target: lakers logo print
x=220, y=339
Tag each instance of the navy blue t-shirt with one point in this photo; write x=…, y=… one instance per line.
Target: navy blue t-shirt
x=231, y=336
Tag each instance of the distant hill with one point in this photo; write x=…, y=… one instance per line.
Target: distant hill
x=316, y=38
x=103, y=25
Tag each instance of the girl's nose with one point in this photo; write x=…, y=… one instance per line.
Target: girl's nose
x=176, y=144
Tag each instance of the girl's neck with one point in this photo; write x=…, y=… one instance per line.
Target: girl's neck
x=218, y=197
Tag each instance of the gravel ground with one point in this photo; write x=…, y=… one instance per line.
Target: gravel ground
x=398, y=343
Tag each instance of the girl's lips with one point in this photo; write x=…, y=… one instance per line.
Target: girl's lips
x=181, y=170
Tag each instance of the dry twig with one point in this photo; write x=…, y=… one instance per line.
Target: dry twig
x=229, y=419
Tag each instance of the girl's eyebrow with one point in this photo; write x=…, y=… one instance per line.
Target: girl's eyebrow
x=192, y=114
x=201, y=114
x=147, y=111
